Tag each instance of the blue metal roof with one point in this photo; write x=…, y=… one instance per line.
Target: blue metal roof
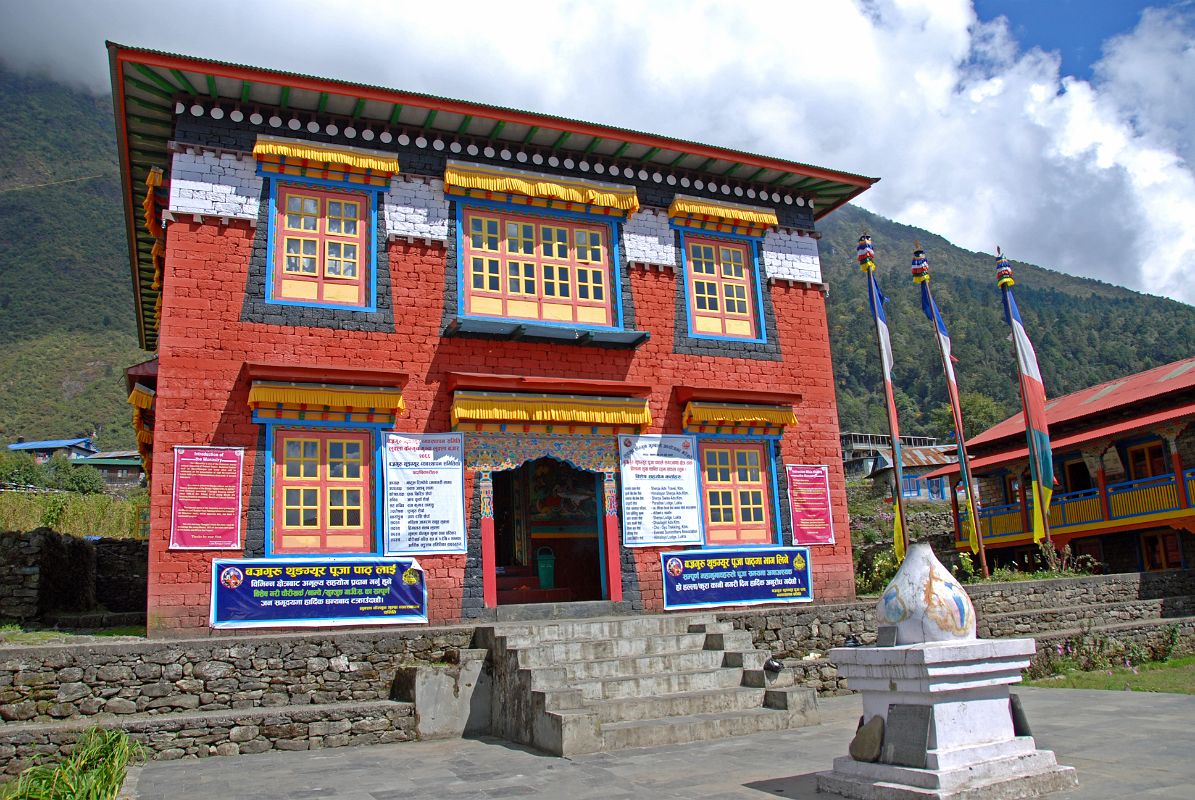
x=53, y=444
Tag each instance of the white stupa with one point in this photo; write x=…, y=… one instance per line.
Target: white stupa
x=943, y=697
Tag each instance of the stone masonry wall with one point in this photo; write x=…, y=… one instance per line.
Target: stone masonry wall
x=42, y=684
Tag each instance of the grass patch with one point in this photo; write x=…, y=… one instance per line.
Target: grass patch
x=15, y=634
x=1176, y=676
x=95, y=770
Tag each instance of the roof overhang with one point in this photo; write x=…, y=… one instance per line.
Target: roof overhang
x=1074, y=439
x=147, y=86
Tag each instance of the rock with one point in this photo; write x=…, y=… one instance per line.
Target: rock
x=119, y=705
x=255, y=746
x=170, y=755
x=212, y=670
x=91, y=705
x=113, y=673
x=868, y=741
x=69, y=692
x=242, y=733
x=228, y=749
x=19, y=711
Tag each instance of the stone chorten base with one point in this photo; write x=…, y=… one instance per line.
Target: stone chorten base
x=970, y=750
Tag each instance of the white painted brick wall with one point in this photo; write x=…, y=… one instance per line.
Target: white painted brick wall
x=416, y=208
x=223, y=185
x=648, y=239
x=787, y=256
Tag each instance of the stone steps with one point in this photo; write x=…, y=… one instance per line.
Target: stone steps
x=582, y=686
x=693, y=728
x=201, y=734
x=562, y=652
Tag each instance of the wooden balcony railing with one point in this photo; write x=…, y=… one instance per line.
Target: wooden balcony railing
x=1069, y=510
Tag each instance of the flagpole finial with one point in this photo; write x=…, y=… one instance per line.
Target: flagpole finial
x=866, y=254
x=920, y=265
x=1003, y=271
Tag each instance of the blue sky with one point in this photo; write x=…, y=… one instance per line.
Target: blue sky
x=1075, y=29
x=1063, y=130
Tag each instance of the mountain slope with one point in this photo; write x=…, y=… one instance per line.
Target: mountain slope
x=66, y=308
x=1084, y=331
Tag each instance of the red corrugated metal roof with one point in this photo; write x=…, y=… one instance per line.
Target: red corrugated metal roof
x=1074, y=439
x=1098, y=399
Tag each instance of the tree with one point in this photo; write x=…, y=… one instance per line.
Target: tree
x=980, y=412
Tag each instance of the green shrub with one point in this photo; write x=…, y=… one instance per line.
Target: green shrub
x=95, y=770
x=74, y=514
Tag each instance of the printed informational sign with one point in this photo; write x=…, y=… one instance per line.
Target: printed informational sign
x=741, y=577
x=425, y=493
x=809, y=498
x=205, y=513
x=281, y=593
x=661, y=502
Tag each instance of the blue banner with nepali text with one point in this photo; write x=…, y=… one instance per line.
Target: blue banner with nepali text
x=736, y=577
x=306, y=592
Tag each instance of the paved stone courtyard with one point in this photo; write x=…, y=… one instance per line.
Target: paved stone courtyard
x=1123, y=744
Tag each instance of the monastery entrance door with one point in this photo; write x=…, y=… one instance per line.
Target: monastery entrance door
x=547, y=533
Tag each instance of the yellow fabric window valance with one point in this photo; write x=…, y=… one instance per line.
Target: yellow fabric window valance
x=460, y=175
x=683, y=206
x=308, y=151
x=737, y=414
x=141, y=397
x=577, y=409
x=332, y=397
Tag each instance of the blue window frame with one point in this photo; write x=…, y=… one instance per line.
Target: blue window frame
x=720, y=288
x=377, y=462
x=324, y=259
x=766, y=445
x=533, y=268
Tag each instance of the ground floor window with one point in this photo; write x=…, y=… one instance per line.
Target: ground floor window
x=1161, y=550
x=322, y=484
x=735, y=492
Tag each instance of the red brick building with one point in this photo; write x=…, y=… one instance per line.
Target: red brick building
x=318, y=262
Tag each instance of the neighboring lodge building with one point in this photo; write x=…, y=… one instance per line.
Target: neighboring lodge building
x=317, y=263
x=1124, y=468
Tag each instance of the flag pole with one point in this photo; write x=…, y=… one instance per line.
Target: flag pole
x=920, y=268
x=866, y=256
x=1033, y=406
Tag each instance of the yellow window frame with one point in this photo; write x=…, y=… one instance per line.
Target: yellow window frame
x=301, y=213
x=301, y=461
x=480, y=239
x=287, y=255
x=303, y=493
x=342, y=260
x=329, y=216
x=589, y=247
x=488, y=269
x=344, y=506
x=345, y=460
x=555, y=238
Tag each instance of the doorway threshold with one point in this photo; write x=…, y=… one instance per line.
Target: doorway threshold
x=577, y=610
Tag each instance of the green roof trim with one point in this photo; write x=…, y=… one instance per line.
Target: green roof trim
x=188, y=87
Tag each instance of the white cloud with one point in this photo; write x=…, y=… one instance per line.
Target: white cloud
x=973, y=138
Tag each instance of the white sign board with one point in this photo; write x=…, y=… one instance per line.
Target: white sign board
x=425, y=493
x=661, y=502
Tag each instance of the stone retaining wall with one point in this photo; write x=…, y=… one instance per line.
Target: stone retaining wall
x=44, y=573
x=65, y=682
x=1089, y=591
x=225, y=734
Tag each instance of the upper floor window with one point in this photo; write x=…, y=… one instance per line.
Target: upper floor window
x=322, y=245
x=536, y=267
x=719, y=281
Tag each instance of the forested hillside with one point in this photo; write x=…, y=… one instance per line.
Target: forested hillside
x=66, y=313
x=66, y=309
x=1084, y=331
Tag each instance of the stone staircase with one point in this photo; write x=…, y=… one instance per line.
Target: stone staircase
x=591, y=685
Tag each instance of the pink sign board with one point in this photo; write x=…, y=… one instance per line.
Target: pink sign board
x=206, y=510
x=809, y=498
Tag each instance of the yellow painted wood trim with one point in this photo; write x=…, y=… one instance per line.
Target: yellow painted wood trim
x=550, y=187
x=320, y=396
x=503, y=407
x=353, y=157
x=693, y=207
x=734, y=413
